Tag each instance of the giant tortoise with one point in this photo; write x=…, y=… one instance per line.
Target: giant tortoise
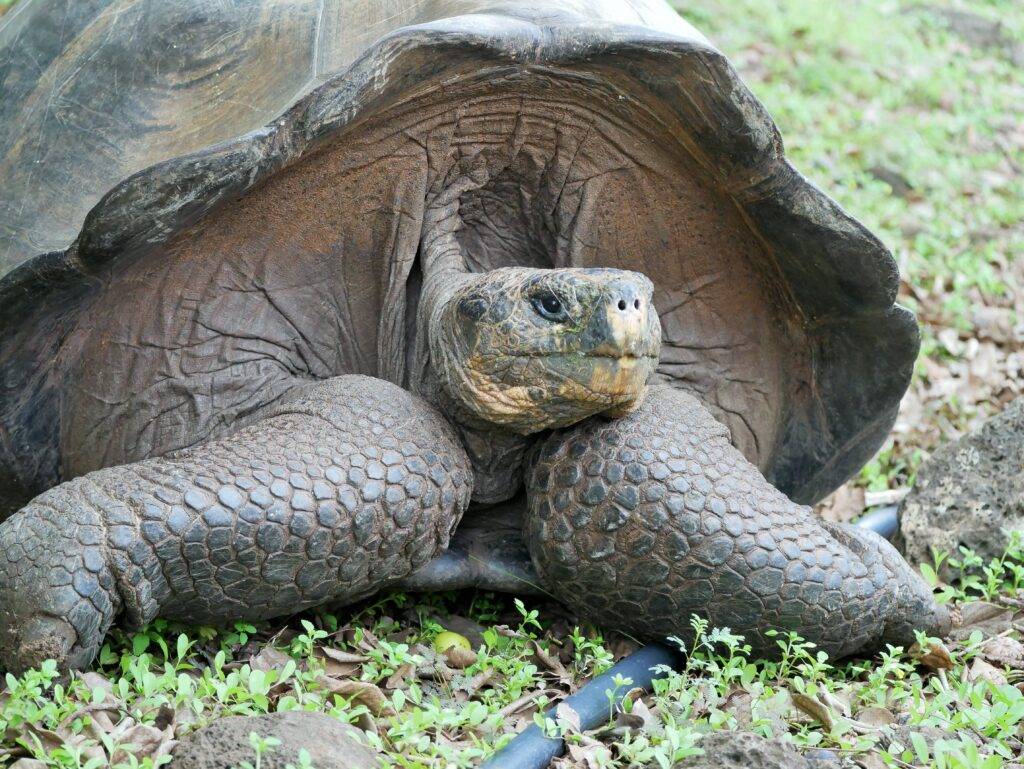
x=291, y=285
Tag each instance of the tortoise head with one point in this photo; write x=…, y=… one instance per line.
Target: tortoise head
x=532, y=349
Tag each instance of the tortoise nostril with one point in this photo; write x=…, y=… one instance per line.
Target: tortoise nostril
x=636, y=304
x=622, y=304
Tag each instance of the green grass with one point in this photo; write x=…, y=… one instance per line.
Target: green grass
x=860, y=90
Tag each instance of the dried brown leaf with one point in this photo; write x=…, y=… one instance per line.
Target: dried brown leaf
x=638, y=717
x=870, y=761
x=459, y=658
x=89, y=752
x=527, y=700
x=96, y=711
x=477, y=682
x=739, y=702
x=628, y=720
x=45, y=738
x=359, y=691
x=876, y=716
x=95, y=681
x=936, y=656
x=269, y=658
x=620, y=647
x=567, y=718
x=983, y=671
x=338, y=663
x=183, y=716
x=141, y=741
x=507, y=632
x=838, y=702
x=552, y=663
x=401, y=677
x=435, y=670
x=589, y=755
x=843, y=505
x=366, y=640
x=100, y=724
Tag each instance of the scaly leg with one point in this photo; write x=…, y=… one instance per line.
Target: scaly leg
x=347, y=487
x=644, y=521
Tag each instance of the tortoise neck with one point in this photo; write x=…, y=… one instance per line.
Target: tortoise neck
x=444, y=270
x=496, y=453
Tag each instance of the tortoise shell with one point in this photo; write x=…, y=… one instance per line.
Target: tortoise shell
x=199, y=194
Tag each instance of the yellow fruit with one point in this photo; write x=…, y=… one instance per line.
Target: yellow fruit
x=449, y=640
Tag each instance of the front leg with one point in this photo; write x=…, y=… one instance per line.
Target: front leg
x=349, y=486
x=644, y=521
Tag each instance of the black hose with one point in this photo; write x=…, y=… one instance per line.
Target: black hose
x=530, y=749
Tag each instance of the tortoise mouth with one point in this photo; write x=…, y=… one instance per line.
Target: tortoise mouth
x=555, y=391
x=567, y=377
x=623, y=358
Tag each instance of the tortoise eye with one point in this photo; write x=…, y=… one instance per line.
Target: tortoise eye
x=549, y=306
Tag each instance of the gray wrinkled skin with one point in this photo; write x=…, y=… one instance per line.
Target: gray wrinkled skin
x=352, y=484
x=644, y=521
x=509, y=362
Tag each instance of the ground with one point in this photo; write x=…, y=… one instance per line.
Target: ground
x=910, y=114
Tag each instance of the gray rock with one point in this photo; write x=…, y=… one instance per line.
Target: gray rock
x=969, y=493
x=225, y=743
x=745, y=750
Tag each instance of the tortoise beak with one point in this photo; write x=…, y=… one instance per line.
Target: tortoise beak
x=627, y=337
x=623, y=328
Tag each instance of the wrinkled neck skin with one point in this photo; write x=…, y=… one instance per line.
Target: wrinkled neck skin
x=497, y=453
